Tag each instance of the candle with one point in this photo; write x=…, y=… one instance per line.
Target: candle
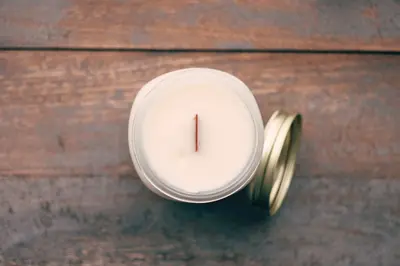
x=225, y=137
x=196, y=135
x=229, y=131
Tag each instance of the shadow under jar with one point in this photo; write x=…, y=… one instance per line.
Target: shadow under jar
x=196, y=135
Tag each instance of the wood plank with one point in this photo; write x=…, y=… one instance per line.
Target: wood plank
x=210, y=24
x=66, y=113
x=116, y=221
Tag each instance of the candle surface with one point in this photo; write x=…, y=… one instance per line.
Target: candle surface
x=226, y=133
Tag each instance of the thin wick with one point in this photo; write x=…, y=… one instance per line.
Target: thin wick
x=196, y=118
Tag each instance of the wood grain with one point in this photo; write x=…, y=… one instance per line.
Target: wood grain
x=69, y=194
x=346, y=220
x=210, y=24
x=66, y=113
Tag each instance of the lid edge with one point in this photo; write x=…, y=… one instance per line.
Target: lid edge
x=274, y=174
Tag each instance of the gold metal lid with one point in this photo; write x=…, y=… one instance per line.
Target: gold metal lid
x=274, y=174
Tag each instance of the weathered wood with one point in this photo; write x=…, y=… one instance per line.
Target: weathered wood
x=215, y=24
x=109, y=221
x=66, y=113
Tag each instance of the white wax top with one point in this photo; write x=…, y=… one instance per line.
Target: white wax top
x=226, y=134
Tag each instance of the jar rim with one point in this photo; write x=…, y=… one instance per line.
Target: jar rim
x=166, y=189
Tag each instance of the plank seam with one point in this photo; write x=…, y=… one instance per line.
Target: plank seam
x=159, y=50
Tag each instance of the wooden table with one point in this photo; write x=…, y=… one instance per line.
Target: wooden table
x=69, y=71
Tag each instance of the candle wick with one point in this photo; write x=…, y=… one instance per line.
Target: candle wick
x=196, y=118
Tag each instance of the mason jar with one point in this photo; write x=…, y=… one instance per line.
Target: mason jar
x=196, y=135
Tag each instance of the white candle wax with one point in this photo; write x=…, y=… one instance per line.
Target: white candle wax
x=227, y=129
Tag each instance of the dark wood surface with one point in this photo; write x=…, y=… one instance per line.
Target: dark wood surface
x=69, y=193
x=195, y=24
x=66, y=113
x=325, y=220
